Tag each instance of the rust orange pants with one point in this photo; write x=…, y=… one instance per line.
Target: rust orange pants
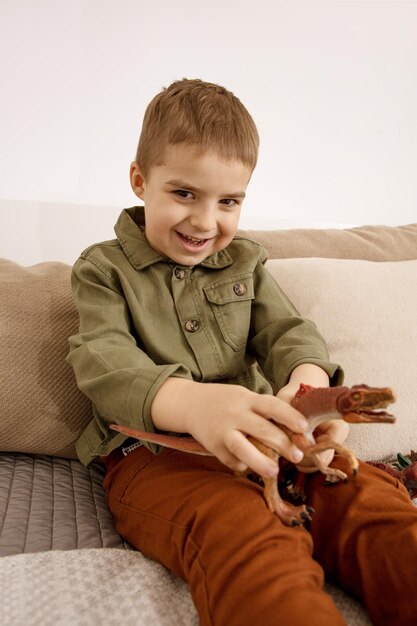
x=245, y=567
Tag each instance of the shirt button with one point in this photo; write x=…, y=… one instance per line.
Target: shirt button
x=192, y=326
x=179, y=273
x=240, y=289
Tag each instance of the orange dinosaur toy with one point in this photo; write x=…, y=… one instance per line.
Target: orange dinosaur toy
x=357, y=404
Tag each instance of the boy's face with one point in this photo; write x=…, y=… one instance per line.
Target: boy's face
x=192, y=202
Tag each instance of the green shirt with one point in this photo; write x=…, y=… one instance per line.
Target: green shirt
x=144, y=318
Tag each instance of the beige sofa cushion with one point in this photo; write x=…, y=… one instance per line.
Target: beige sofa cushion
x=367, y=312
x=372, y=243
x=42, y=410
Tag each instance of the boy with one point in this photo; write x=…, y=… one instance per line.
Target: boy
x=175, y=315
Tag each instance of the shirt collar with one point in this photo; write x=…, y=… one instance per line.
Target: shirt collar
x=129, y=231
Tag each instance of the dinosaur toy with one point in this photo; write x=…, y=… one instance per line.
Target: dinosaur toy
x=404, y=470
x=357, y=404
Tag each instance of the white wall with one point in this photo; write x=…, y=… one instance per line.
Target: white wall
x=331, y=84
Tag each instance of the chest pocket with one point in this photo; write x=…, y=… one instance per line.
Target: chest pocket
x=231, y=303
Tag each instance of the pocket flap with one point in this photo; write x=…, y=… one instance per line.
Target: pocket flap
x=234, y=289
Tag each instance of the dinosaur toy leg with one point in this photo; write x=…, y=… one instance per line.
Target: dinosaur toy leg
x=332, y=474
x=288, y=513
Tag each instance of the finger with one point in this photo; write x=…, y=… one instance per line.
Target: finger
x=241, y=448
x=336, y=430
x=326, y=456
x=231, y=461
x=281, y=412
x=273, y=436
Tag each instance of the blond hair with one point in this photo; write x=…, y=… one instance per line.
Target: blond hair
x=197, y=113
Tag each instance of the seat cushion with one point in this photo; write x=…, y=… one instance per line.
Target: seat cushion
x=50, y=503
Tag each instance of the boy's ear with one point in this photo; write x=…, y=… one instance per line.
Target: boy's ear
x=137, y=181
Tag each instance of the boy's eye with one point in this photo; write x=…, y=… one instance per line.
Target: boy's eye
x=229, y=202
x=182, y=193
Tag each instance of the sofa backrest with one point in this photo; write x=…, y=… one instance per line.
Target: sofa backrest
x=369, y=243
x=42, y=410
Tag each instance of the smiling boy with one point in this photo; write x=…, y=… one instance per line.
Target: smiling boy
x=192, y=202
x=177, y=317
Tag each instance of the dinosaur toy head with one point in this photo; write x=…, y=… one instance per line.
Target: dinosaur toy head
x=363, y=404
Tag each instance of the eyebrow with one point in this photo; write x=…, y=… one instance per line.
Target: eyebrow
x=182, y=184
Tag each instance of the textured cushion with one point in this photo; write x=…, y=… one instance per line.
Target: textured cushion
x=107, y=587
x=42, y=410
x=371, y=243
x=84, y=587
x=367, y=314
x=49, y=503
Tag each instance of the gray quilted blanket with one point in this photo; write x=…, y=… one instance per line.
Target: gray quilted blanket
x=49, y=503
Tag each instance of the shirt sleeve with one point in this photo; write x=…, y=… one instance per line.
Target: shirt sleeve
x=110, y=368
x=281, y=338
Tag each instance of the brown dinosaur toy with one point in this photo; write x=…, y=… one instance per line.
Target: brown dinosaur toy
x=357, y=404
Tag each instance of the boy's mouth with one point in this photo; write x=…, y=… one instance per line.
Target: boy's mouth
x=194, y=242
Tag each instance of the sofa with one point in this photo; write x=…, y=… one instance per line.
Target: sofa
x=62, y=561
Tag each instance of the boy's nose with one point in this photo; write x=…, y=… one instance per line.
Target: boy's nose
x=203, y=220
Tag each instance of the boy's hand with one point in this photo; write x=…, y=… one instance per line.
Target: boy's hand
x=220, y=417
x=337, y=430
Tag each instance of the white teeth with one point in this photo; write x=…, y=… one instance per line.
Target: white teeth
x=193, y=239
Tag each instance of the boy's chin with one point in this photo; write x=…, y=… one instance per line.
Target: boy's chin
x=187, y=260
